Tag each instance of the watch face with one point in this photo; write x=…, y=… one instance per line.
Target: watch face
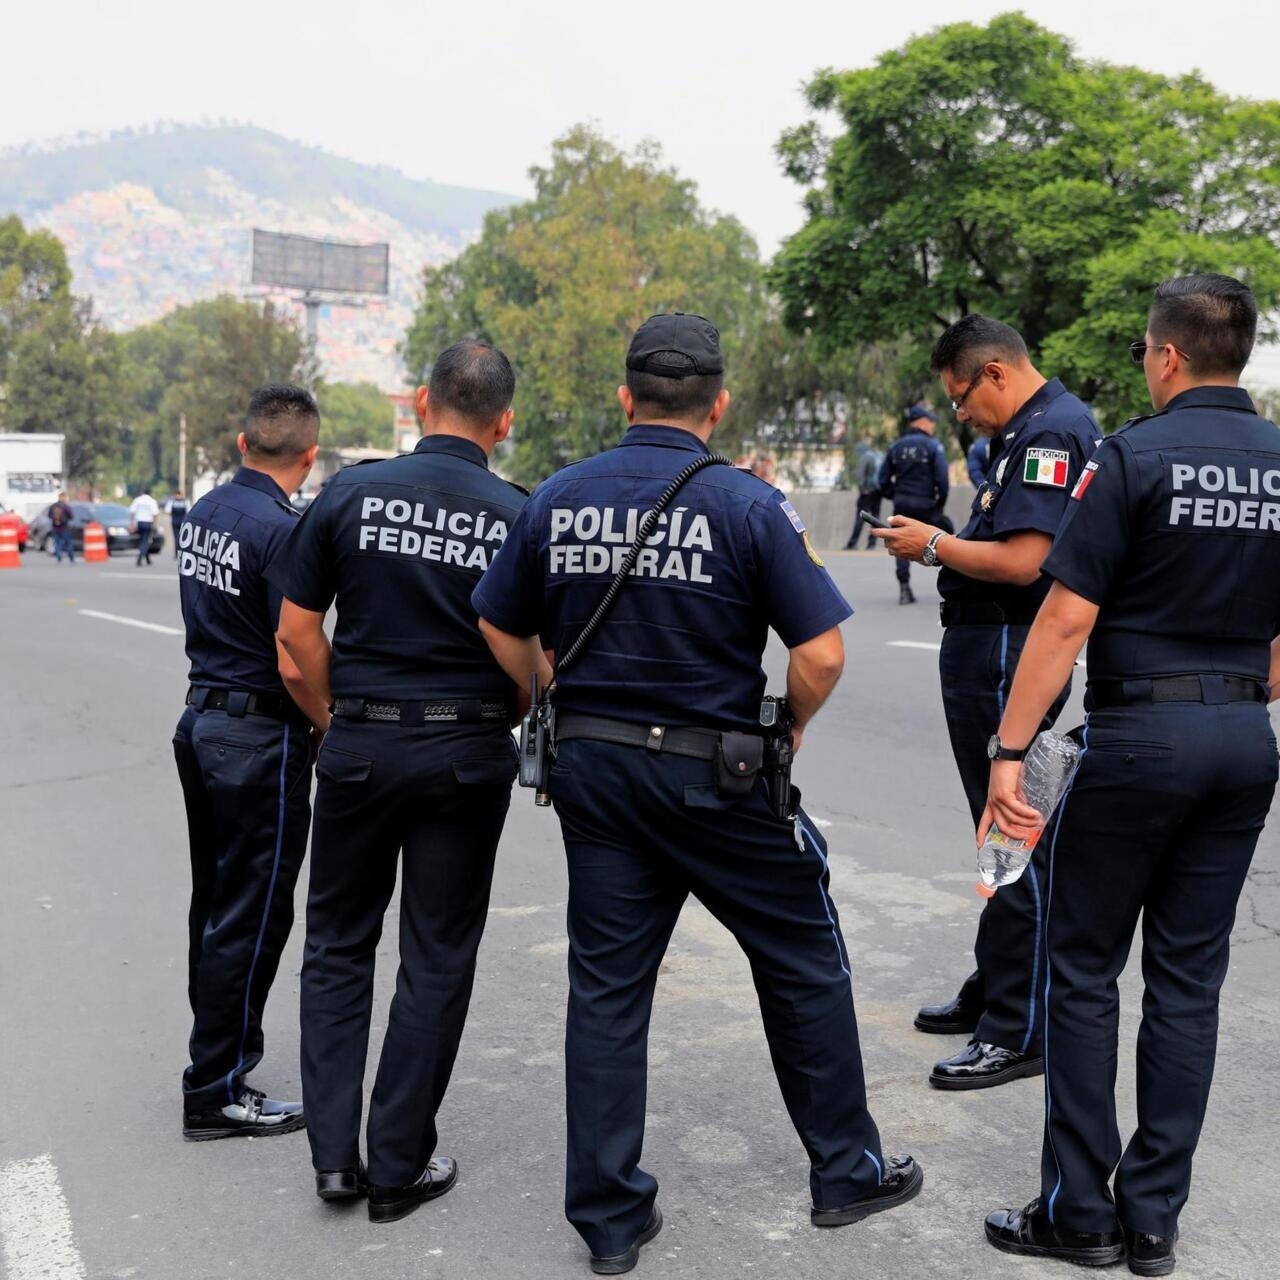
x=993, y=746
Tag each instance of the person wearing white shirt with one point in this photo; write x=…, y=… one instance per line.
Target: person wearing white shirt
x=142, y=516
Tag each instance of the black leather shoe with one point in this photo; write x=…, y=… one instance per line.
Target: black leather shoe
x=951, y=1019
x=1149, y=1255
x=1029, y=1232
x=619, y=1263
x=906, y=595
x=251, y=1115
x=981, y=1066
x=901, y=1182
x=342, y=1184
x=387, y=1204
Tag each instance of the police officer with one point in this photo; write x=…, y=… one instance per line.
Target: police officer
x=244, y=754
x=176, y=509
x=866, y=474
x=977, y=461
x=419, y=762
x=1168, y=562
x=991, y=586
x=914, y=475
x=647, y=815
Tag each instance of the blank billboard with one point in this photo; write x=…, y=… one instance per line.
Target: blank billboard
x=301, y=262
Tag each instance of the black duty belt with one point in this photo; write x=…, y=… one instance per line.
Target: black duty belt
x=983, y=613
x=701, y=744
x=1209, y=688
x=242, y=702
x=465, y=710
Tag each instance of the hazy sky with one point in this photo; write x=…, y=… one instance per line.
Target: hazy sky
x=473, y=93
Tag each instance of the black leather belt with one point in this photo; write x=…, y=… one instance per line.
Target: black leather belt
x=242, y=702
x=983, y=613
x=465, y=710
x=701, y=744
x=1209, y=688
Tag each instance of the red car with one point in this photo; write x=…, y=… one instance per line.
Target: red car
x=12, y=520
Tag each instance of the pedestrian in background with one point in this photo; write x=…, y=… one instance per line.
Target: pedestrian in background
x=914, y=475
x=866, y=475
x=176, y=509
x=142, y=518
x=1168, y=564
x=244, y=752
x=60, y=518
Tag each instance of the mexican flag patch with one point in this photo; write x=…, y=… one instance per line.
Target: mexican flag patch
x=1046, y=466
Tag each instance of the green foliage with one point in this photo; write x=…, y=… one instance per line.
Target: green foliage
x=562, y=282
x=355, y=415
x=990, y=169
x=204, y=360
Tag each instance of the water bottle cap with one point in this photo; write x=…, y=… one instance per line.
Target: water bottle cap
x=985, y=890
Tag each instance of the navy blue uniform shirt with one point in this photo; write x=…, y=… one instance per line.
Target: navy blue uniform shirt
x=1034, y=463
x=914, y=472
x=1174, y=532
x=682, y=645
x=230, y=610
x=401, y=544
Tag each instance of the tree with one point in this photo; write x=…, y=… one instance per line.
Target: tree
x=991, y=169
x=33, y=275
x=354, y=415
x=563, y=281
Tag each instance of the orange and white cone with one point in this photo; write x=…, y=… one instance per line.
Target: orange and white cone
x=9, y=557
x=95, y=542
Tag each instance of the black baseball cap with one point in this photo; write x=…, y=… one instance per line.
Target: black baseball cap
x=679, y=334
x=918, y=411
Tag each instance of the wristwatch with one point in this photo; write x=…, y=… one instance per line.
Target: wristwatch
x=929, y=556
x=996, y=750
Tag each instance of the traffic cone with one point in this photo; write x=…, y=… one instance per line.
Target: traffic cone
x=9, y=557
x=95, y=542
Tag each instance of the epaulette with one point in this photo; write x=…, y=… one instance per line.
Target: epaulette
x=1142, y=417
x=519, y=488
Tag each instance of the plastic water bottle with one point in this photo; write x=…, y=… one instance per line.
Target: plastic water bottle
x=1045, y=773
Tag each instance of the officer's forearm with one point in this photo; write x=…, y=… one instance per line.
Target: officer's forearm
x=1053, y=644
x=1015, y=560
x=309, y=702
x=519, y=656
x=301, y=632
x=812, y=673
x=1273, y=679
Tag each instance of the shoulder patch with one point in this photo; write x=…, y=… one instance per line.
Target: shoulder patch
x=1046, y=467
x=793, y=515
x=1086, y=478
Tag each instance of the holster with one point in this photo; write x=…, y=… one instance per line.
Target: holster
x=737, y=763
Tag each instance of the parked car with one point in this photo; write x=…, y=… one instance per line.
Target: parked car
x=12, y=520
x=110, y=515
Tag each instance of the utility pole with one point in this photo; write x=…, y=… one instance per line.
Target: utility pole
x=182, y=453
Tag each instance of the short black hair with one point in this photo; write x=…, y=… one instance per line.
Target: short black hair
x=686, y=397
x=282, y=421
x=973, y=341
x=1213, y=318
x=474, y=380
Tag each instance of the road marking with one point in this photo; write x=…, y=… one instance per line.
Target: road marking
x=912, y=644
x=35, y=1223
x=143, y=577
x=131, y=622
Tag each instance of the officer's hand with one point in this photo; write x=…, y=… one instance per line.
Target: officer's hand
x=796, y=734
x=1006, y=808
x=905, y=538
x=317, y=736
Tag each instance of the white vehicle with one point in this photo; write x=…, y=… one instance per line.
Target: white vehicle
x=31, y=471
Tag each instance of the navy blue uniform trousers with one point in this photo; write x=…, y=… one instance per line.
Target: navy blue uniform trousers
x=439, y=792
x=976, y=667
x=246, y=782
x=642, y=831
x=1162, y=819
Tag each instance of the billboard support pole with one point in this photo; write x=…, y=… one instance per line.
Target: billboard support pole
x=312, y=304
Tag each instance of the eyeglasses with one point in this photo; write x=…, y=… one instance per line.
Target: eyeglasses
x=957, y=405
x=1138, y=350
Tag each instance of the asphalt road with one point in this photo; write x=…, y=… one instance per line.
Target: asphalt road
x=96, y=1182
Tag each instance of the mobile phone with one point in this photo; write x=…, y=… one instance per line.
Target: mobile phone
x=874, y=521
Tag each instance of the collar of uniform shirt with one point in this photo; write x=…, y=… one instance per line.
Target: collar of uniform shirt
x=252, y=479
x=1042, y=399
x=1213, y=397
x=671, y=437
x=459, y=446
